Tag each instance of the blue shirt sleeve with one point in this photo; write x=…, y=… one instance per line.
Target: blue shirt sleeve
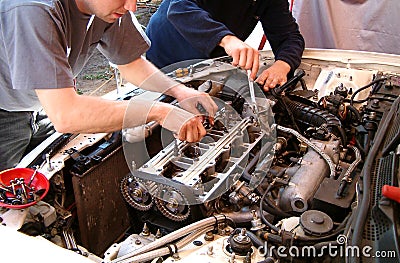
x=196, y=25
x=188, y=29
x=282, y=32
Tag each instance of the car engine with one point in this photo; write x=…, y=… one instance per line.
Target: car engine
x=275, y=179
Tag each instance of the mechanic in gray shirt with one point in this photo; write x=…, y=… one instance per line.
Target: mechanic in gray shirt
x=45, y=44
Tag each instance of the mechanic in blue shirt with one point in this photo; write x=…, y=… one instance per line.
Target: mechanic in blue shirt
x=190, y=29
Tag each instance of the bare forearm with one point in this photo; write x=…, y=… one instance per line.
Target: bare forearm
x=145, y=75
x=95, y=115
x=72, y=113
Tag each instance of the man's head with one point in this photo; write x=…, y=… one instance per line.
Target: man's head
x=107, y=10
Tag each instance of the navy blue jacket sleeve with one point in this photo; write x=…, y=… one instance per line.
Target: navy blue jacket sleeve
x=196, y=25
x=282, y=32
x=203, y=23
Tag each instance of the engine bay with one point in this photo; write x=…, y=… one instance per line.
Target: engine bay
x=285, y=179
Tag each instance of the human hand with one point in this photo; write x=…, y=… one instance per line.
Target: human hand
x=274, y=75
x=185, y=125
x=243, y=55
x=196, y=102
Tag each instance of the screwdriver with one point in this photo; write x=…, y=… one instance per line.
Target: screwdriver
x=252, y=93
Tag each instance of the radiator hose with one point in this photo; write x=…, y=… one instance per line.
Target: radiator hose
x=311, y=116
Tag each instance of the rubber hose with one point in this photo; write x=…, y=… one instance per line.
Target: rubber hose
x=308, y=115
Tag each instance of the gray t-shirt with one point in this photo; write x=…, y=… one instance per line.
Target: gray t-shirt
x=46, y=43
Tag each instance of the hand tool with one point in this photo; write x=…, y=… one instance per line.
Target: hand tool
x=252, y=93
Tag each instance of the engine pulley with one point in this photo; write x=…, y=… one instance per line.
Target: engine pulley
x=136, y=193
x=170, y=203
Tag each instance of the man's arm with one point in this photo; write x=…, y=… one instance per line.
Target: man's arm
x=283, y=33
x=196, y=25
x=205, y=33
x=146, y=76
x=285, y=39
x=73, y=113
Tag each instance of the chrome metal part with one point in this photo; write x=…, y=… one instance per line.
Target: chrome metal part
x=171, y=204
x=136, y=194
x=206, y=167
x=307, y=175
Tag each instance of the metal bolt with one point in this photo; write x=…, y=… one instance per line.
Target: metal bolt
x=5, y=186
x=158, y=234
x=7, y=189
x=33, y=175
x=21, y=182
x=145, y=231
x=209, y=236
x=12, y=184
x=375, y=103
x=210, y=250
x=49, y=167
x=254, y=213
